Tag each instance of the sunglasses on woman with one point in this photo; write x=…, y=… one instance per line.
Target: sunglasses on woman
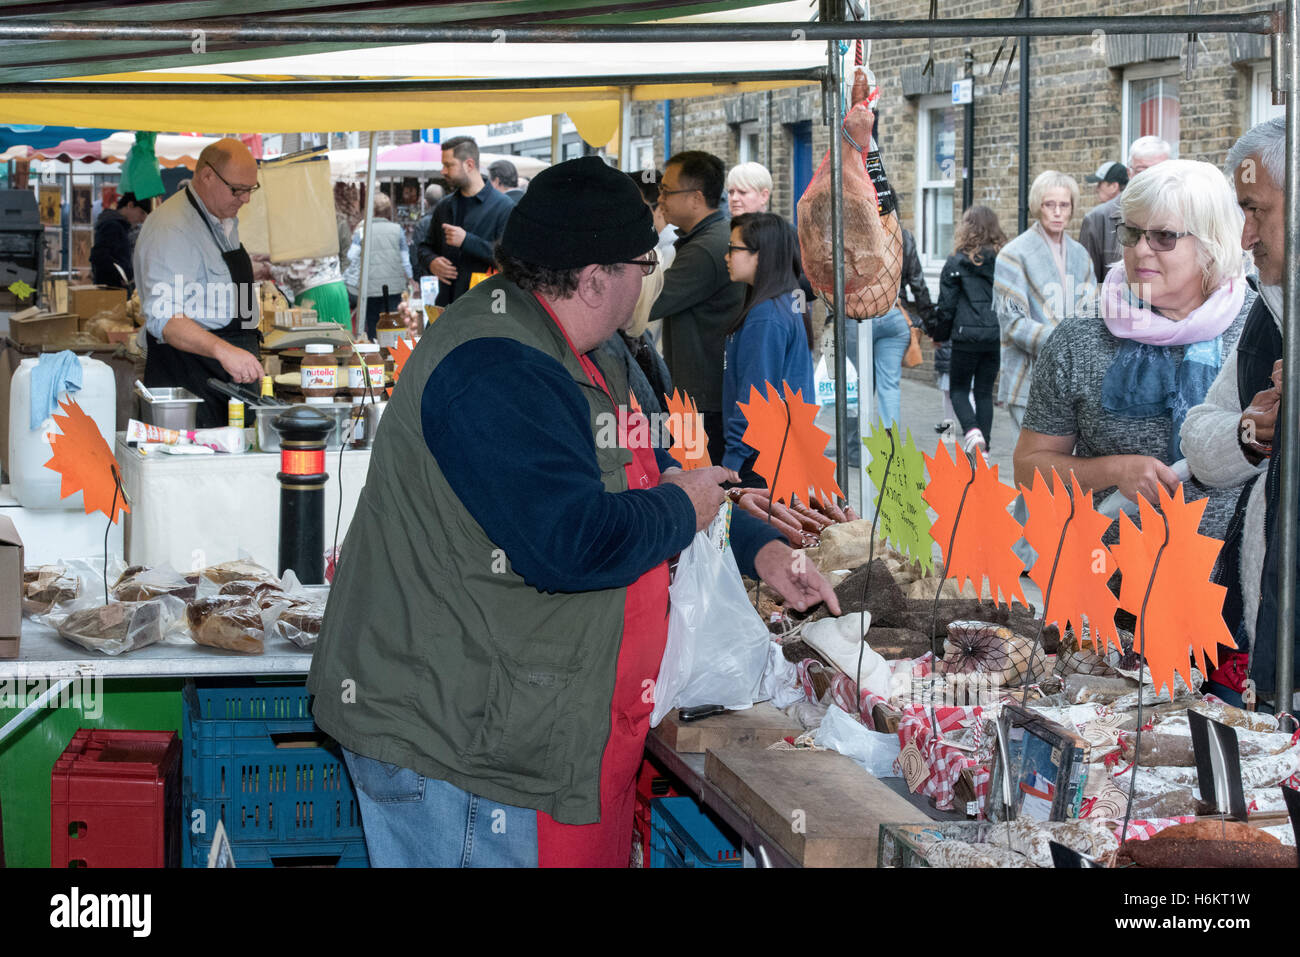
x=1161, y=240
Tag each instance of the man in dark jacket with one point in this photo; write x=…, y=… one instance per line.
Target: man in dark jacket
x=505, y=179
x=110, y=256
x=465, y=225
x=489, y=652
x=433, y=195
x=699, y=301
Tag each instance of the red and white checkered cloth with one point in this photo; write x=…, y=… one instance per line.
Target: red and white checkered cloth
x=1142, y=830
x=944, y=761
x=841, y=691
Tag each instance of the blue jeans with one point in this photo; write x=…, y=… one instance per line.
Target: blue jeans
x=890, y=337
x=414, y=821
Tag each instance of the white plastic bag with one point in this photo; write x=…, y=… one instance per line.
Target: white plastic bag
x=717, y=644
x=824, y=382
x=780, y=679
x=870, y=749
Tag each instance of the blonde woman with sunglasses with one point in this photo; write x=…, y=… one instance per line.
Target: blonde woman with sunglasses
x=1109, y=396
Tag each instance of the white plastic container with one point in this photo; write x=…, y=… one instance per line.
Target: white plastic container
x=34, y=485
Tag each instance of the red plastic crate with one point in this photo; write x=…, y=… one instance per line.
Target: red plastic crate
x=115, y=800
x=651, y=782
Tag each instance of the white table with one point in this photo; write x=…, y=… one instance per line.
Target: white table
x=194, y=511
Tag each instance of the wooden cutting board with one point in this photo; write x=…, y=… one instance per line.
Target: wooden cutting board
x=756, y=727
x=819, y=806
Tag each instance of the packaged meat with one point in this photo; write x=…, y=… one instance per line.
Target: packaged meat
x=873, y=240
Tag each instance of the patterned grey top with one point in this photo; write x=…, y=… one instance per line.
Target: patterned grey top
x=1065, y=399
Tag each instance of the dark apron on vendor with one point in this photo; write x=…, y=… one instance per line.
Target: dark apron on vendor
x=168, y=366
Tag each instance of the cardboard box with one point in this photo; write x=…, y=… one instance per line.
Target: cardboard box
x=11, y=588
x=35, y=330
x=88, y=301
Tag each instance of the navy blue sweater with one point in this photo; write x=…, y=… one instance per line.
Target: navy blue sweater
x=511, y=433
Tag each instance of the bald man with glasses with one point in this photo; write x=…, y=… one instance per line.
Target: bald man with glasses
x=196, y=283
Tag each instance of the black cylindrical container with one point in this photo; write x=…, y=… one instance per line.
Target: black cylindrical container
x=303, y=433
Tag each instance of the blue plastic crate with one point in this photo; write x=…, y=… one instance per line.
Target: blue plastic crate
x=682, y=834
x=255, y=760
x=303, y=854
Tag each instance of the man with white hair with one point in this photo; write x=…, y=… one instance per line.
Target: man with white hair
x=1229, y=439
x=1097, y=234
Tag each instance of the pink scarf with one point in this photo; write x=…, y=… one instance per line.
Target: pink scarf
x=1127, y=317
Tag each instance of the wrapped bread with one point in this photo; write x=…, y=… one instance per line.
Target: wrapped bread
x=120, y=627
x=300, y=623
x=233, y=622
x=46, y=586
x=238, y=570
x=139, y=583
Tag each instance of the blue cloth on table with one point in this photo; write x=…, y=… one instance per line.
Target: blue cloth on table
x=55, y=372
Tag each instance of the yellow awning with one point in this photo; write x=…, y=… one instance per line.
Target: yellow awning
x=594, y=110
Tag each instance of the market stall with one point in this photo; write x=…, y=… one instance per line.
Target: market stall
x=1020, y=657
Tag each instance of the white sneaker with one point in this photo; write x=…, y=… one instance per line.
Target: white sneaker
x=974, y=441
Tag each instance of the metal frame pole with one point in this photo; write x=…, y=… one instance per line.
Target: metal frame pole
x=835, y=83
x=1289, y=503
x=1023, y=173
x=968, y=138
x=279, y=30
x=369, y=215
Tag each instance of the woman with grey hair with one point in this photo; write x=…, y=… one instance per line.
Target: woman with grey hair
x=1109, y=398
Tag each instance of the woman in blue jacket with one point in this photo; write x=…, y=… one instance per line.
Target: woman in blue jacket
x=965, y=314
x=770, y=341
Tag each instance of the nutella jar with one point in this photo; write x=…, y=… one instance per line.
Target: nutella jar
x=320, y=374
x=389, y=329
x=366, y=361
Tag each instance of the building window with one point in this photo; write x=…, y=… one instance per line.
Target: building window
x=1261, y=96
x=643, y=153
x=1151, y=104
x=748, y=149
x=936, y=164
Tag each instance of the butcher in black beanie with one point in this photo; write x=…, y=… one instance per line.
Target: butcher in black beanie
x=500, y=611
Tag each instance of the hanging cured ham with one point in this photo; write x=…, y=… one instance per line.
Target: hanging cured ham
x=873, y=240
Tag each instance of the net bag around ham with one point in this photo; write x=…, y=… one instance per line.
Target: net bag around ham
x=873, y=240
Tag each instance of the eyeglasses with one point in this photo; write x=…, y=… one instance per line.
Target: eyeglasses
x=647, y=265
x=1161, y=240
x=739, y=249
x=670, y=192
x=236, y=191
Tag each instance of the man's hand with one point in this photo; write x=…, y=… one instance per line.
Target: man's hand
x=704, y=486
x=453, y=235
x=240, y=365
x=795, y=577
x=443, y=268
x=1141, y=475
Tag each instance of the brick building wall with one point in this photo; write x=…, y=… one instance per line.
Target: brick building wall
x=1075, y=115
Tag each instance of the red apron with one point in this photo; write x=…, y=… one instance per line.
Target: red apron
x=608, y=842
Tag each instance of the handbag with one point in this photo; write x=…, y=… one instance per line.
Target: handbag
x=912, y=357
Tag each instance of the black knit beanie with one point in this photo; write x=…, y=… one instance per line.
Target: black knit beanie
x=579, y=213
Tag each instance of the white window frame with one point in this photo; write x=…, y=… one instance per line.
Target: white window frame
x=1148, y=71
x=1261, y=94
x=930, y=265
x=639, y=147
x=745, y=131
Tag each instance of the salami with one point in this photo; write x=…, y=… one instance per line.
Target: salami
x=873, y=240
